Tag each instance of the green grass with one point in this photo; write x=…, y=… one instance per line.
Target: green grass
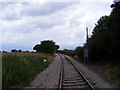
x=111, y=73
x=19, y=70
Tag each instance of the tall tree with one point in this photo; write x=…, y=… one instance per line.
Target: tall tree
x=104, y=44
x=47, y=46
x=36, y=47
x=115, y=31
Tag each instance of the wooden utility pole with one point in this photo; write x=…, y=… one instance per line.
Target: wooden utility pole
x=86, y=34
x=86, y=48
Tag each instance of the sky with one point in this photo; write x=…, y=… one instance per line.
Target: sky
x=25, y=23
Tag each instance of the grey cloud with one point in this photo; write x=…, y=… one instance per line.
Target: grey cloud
x=11, y=11
x=43, y=26
x=19, y=10
x=75, y=20
x=11, y=17
x=44, y=9
x=75, y=23
x=6, y=4
x=51, y=24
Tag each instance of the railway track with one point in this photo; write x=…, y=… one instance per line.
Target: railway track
x=71, y=77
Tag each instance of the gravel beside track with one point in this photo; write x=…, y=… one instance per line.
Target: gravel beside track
x=49, y=78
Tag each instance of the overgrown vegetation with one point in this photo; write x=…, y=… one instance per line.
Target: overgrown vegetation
x=104, y=44
x=19, y=69
x=108, y=72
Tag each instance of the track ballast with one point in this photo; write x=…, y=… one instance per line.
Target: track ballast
x=71, y=77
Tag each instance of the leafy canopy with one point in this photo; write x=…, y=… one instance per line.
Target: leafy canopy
x=47, y=46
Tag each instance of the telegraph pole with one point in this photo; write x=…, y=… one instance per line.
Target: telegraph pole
x=86, y=34
x=86, y=48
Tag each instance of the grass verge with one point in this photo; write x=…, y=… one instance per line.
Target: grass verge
x=110, y=73
x=19, y=69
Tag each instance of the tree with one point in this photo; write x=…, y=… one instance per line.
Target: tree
x=79, y=51
x=115, y=31
x=104, y=44
x=13, y=50
x=19, y=50
x=47, y=46
x=37, y=47
x=99, y=43
x=57, y=47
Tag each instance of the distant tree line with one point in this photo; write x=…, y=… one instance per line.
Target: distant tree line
x=15, y=50
x=46, y=46
x=67, y=52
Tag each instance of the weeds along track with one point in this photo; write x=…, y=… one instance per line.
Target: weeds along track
x=71, y=77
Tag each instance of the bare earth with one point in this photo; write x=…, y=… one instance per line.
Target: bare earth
x=49, y=78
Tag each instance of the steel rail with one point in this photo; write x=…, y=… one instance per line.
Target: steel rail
x=80, y=73
x=61, y=73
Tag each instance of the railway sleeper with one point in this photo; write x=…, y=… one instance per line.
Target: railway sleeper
x=72, y=79
x=74, y=84
x=72, y=76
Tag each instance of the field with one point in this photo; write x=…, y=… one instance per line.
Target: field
x=19, y=69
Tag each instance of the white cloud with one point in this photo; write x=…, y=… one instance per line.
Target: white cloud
x=43, y=1
x=27, y=24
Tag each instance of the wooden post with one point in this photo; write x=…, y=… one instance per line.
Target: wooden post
x=86, y=48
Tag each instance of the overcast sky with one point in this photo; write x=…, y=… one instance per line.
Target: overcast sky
x=25, y=24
